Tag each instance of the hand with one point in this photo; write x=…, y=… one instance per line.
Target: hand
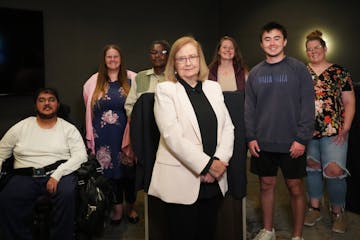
x=341, y=137
x=207, y=178
x=51, y=185
x=254, y=148
x=217, y=168
x=296, y=150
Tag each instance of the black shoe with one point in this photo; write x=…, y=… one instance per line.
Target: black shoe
x=133, y=220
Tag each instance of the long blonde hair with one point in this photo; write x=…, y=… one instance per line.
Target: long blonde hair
x=103, y=76
x=170, y=66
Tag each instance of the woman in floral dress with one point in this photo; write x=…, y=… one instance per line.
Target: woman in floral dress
x=104, y=95
x=326, y=152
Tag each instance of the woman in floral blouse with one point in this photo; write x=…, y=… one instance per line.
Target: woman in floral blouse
x=326, y=153
x=104, y=95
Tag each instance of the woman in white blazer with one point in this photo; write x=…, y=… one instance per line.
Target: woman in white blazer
x=196, y=143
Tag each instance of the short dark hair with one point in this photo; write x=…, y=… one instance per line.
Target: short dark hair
x=46, y=90
x=163, y=43
x=273, y=25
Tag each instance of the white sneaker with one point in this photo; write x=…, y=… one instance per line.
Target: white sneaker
x=265, y=235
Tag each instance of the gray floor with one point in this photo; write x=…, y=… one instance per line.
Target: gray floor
x=127, y=231
x=283, y=217
x=321, y=231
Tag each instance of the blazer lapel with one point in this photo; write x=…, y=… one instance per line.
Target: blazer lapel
x=188, y=109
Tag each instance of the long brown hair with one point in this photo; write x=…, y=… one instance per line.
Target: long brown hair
x=237, y=60
x=103, y=76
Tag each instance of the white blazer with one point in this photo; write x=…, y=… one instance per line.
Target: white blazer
x=180, y=157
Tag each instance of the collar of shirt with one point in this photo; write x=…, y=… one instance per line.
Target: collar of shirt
x=150, y=72
x=190, y=89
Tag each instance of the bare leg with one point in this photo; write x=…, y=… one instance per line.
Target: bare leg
x=297, y=198
x=132, y=215
x=267, y=196
x=131, y=210
x=117, y=212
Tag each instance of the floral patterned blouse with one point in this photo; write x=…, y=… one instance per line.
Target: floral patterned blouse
x=109, y=121
x=329, y=108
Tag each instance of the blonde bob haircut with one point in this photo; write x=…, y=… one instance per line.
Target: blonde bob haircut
x=170, y=71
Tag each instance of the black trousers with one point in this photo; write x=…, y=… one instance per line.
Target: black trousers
x=192, y=222
x=17, y=201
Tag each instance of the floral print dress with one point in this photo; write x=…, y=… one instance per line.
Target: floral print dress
x=329, y=108
x=109, y=121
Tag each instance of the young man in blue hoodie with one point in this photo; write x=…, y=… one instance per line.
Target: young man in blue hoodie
x=279, y=120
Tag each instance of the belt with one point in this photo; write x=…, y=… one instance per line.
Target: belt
x=38, y=172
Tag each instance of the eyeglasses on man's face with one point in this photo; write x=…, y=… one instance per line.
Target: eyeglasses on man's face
x=162, y=52
x=183, y=59
x=317, y=48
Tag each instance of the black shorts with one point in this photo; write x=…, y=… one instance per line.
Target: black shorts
x=267, y=164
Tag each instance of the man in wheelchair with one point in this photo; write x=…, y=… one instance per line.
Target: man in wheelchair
x=47, y=151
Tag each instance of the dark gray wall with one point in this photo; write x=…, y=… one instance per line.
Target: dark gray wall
x=338, y=19
x=76, y=31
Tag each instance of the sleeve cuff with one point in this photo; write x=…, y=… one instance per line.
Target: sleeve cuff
x=208, y=165
x=302, y=141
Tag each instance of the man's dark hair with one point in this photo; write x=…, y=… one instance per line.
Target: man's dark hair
x=46, y=90
x=273, y=25
x=63, y=111
x=163, y=43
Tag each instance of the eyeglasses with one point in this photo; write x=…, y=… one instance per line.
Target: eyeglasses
x=183, y=60
x=162, y=52
x=314, y=48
